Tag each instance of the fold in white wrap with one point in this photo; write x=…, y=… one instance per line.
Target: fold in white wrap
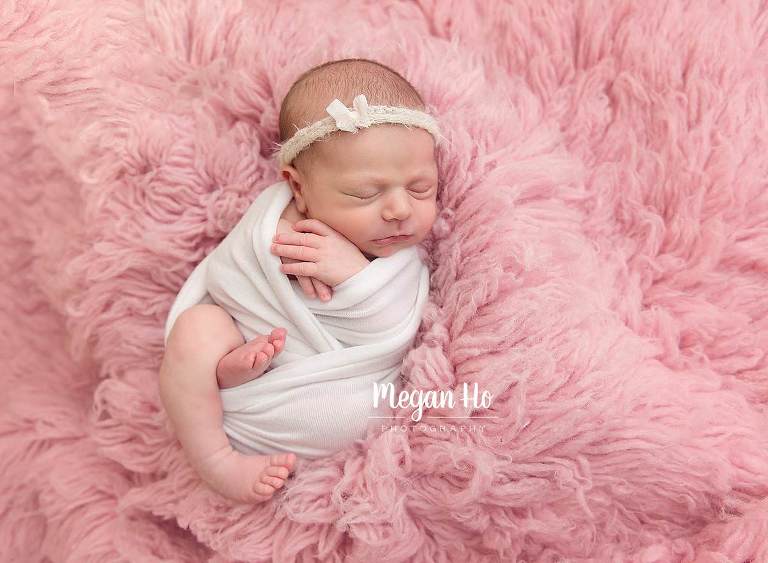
x=317, y=396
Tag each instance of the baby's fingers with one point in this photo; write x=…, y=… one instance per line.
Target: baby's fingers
x=306, y=285
x=313, y=226
x=299, y=268
x=322, y=290
x=302, y=239
x=300, y=253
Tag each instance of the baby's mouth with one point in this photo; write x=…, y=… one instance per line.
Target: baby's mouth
x=393, y=239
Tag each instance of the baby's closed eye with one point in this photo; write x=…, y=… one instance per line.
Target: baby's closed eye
x=418, y=190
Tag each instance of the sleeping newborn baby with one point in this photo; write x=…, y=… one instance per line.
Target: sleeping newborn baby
x=276, y=340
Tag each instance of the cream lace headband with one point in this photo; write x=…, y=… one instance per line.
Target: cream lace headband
x=343, y=118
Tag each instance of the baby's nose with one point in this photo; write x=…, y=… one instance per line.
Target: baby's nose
x=397, y=207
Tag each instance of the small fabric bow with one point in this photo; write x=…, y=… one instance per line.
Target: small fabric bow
x=350, y=120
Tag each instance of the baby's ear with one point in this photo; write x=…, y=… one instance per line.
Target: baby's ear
x=293, y=177
x=289, y=174
x=295, y=182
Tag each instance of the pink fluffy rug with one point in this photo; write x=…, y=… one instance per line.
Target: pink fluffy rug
x=600, y=264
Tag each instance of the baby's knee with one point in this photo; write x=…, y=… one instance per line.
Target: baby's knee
x=199, y=326
x=204, y=313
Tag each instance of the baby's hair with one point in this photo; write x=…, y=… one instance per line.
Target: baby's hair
x=344, y=79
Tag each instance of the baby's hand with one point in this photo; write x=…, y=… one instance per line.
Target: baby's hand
x=310, y=286
x=320, y=251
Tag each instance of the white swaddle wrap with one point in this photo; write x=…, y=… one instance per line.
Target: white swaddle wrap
x=317, y=397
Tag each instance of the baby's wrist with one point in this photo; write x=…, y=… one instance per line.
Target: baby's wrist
x=364, y=262
x=359, y=267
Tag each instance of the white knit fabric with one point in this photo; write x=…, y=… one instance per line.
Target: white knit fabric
x=317, y=396
x=342, y=118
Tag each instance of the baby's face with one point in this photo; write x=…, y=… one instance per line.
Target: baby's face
x=373, y=184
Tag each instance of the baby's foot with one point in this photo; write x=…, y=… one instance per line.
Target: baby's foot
x=246, y=478
x=250, y=360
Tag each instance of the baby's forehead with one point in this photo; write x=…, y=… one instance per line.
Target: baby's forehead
x=384, y=149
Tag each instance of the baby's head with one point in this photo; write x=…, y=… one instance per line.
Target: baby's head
x=377, y=182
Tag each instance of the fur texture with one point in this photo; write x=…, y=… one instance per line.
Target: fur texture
x=599, y=264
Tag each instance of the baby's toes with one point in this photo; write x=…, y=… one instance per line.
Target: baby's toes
x=278, y=341
x=261, y=355
x=265, y=489
x=251, y=350
x=259, y=338
x=286, y=460
x=268, y=350
x=276, y=482
x=277, y=471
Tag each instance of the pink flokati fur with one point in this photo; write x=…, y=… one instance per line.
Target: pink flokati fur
x=599, y=265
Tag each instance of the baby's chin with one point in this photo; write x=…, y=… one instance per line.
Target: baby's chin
x=384, y=251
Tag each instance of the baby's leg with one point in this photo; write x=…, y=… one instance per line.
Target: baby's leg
x=200, y=337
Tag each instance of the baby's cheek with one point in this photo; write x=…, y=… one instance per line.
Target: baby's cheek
x=429, y=216
x=356, y=229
